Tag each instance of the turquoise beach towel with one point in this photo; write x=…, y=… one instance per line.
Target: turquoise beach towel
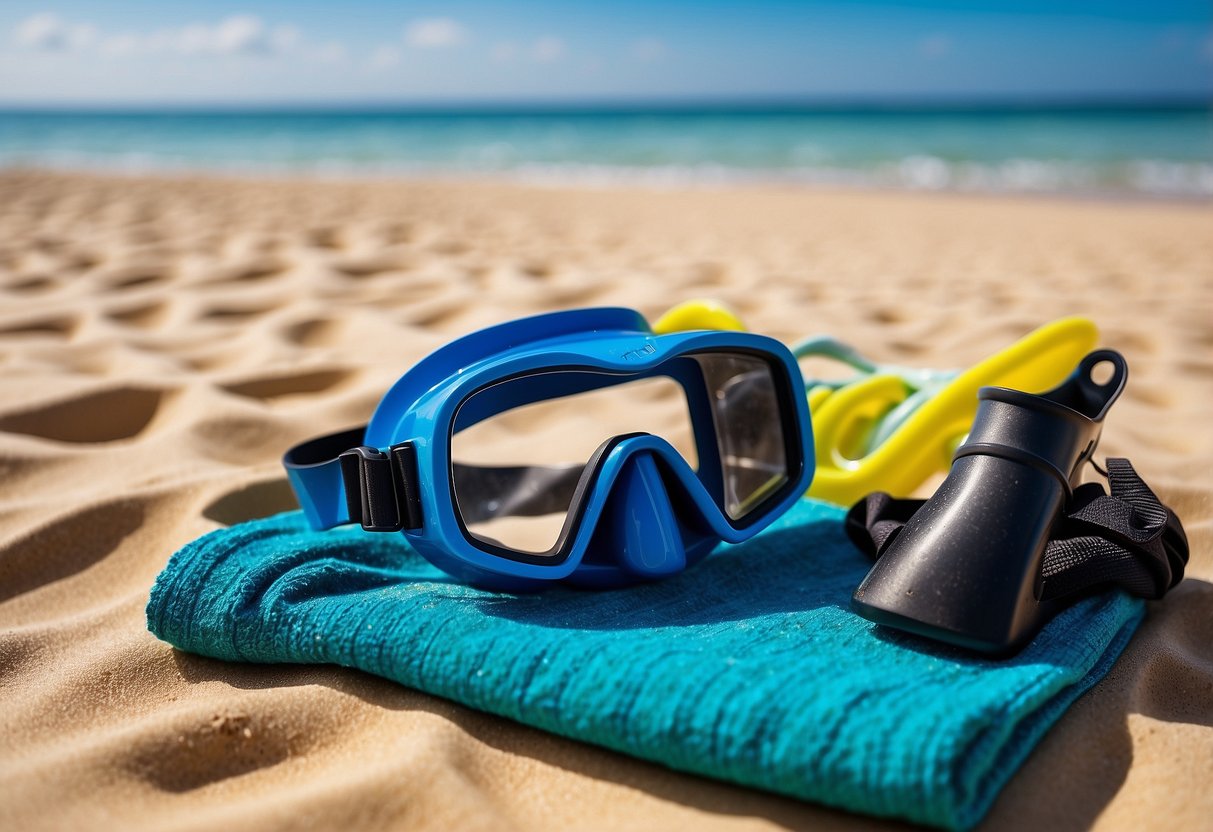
x=749, y=667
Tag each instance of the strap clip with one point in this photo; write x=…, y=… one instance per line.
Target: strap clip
x=382, y=490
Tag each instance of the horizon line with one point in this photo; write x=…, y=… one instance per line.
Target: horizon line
x=623, y=104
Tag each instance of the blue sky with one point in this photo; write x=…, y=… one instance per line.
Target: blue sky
x=297, y=52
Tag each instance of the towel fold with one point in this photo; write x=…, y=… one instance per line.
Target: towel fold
x=749, y=667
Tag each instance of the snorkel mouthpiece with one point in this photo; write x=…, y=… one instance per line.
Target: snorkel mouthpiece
x=966, y=568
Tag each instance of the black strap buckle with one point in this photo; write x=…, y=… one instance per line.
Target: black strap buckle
x=382, y=490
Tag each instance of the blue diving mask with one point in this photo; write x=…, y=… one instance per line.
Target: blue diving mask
x=575, y=446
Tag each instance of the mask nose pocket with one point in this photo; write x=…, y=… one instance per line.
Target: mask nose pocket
x=639, y=530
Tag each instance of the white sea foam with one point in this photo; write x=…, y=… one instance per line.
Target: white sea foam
x=1135, y=177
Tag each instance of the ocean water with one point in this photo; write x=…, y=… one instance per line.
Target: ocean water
x=1155, y=152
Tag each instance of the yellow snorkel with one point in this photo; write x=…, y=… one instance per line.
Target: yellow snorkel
x=698, y=314
x=890, y=428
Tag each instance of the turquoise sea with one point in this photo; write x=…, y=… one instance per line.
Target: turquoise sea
x=1162, y=152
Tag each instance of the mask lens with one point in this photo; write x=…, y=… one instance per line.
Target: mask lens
x=520, y=448
x=749, y=429
x=518, y=463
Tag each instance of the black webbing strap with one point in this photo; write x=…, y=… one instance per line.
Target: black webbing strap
x=383, y=489
x=1127, y=538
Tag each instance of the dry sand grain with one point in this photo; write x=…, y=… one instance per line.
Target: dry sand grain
x=162, y=340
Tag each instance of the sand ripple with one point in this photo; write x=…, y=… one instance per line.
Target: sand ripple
x=161, y=342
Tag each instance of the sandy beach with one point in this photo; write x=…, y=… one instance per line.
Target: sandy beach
x=163, y=340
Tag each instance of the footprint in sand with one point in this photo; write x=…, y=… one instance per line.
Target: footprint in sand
x=907, y=347
x=101, y=416
x=208, y=748
x=132, y=277
x=61, y=326
x=235, y=314
x=436, y=312
x=709, y=273
x=270, y=387
x=886, y=315
x=142, y=316
x=369, y=265
x=258, y=499
x=241, y=440
x=396, y=233
x=313, y=332
x=449, y=247
x=31, y=285
x=66, y=546
x=251, y=271
x=325, y=237
x=537, y=269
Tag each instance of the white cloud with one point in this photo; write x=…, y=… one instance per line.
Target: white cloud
x=548, y=49
x=385, y=57
x=240, y=34
x=50, y=33
x=545, y=50
x=435, y=33
x=82, y=35
x=284, y=38
x=41, y=31
x=935, y=46
x=504, y=52
x=119, y=46
x=647, y=50
x=330, y=52
x=188, y=40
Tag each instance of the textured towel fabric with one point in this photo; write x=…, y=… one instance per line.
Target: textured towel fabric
x=749, y=667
